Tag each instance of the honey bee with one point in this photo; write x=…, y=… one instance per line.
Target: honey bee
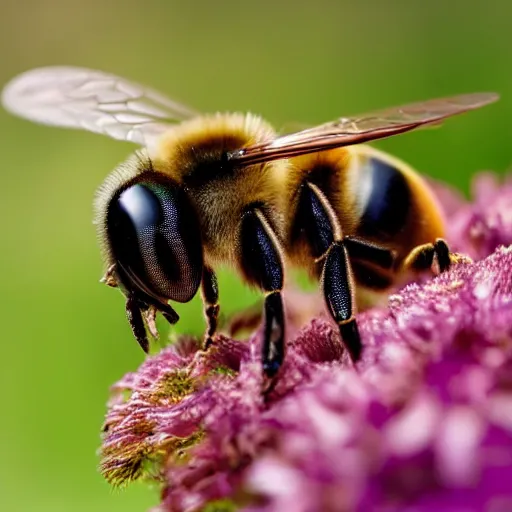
x=224, y=188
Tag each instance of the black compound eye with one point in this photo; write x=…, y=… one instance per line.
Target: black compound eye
x=155, y=239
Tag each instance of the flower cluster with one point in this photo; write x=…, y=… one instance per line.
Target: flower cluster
x=423, y=423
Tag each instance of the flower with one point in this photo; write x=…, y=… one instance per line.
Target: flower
x=423, y=423
x=477, y=228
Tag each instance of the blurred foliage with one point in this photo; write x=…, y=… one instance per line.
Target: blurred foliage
x=65, y=338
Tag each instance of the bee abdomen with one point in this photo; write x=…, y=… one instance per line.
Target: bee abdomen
x=384, y=199
x=395, y=206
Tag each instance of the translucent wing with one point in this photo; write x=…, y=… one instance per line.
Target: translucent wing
x=94, y=101
x=355, y=130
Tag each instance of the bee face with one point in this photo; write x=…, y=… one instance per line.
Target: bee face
x=226, y=189
x=154, y=239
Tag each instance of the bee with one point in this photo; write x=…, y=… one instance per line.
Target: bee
x=226, y=189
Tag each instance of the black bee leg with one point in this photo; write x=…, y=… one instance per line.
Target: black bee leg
x=168, y=313
x=338, y=288
x=329, y=247
x=136, y=321
x=363, y=250
x=135, y=307
x=435, y=256
x=261, y=262
x=210, y=293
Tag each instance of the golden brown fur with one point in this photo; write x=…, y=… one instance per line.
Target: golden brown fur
x=191, y=155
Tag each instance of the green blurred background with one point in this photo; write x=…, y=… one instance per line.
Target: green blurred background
x=64, y=336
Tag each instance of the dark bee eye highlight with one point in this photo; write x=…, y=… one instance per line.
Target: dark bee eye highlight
x=154, y=236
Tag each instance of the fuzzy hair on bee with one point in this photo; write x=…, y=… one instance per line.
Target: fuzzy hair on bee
x=220, y=191
x=123, y=173
x=226, y=189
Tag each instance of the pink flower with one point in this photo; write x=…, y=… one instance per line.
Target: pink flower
x=424, y=423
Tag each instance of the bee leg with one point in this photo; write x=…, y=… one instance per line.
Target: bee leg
x=168, y=313
x=261, y=262
x=328, y=245
x=210, y=293
x=435, y=256
x=338, y=289
x=136, y=321
x=247, y=320
x=363, y=250
x=135, y=307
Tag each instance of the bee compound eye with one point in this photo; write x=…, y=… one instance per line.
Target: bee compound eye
x=154, y=237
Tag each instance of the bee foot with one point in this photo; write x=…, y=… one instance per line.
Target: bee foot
x=208, y=342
